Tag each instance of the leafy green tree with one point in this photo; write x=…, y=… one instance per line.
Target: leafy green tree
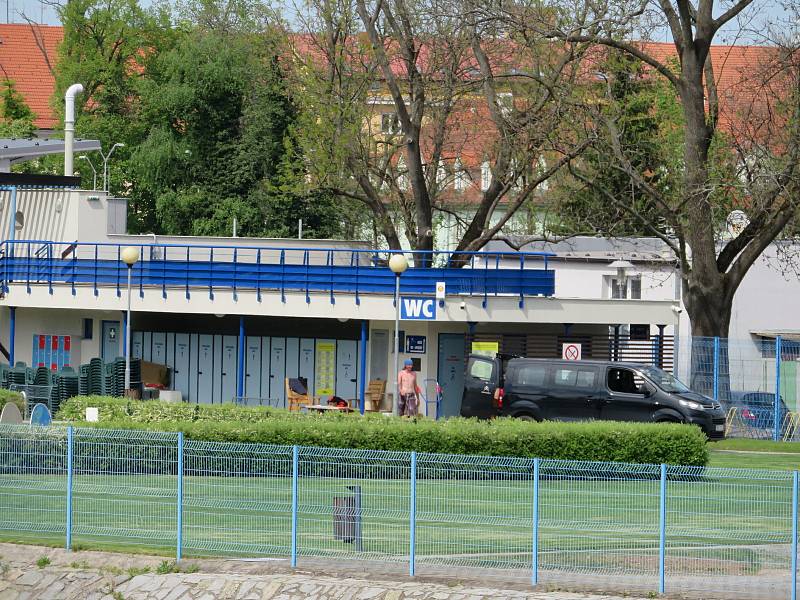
x=646, y=115
x=16, y=117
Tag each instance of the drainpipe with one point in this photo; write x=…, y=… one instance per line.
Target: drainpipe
x=69, y=126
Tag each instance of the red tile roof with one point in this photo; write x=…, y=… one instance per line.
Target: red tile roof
x=23, y=61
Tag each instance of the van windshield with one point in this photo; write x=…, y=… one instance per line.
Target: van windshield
x=664, y=380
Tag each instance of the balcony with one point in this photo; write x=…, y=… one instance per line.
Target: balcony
x=205, y=269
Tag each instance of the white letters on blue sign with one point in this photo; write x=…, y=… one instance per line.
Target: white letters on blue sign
x=421, y=309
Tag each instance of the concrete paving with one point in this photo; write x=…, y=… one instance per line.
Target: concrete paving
x=40, y=573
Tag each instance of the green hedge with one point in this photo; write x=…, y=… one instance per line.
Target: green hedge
x=14, y=397
x=590, y=441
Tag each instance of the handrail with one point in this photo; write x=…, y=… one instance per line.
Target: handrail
x=476, y=253
x=320, y=270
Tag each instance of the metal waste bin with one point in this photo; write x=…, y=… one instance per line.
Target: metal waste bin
x=347, y=517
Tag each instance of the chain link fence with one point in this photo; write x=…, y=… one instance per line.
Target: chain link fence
x=703, y=532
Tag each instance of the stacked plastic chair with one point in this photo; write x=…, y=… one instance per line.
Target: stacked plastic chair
x=96, y=376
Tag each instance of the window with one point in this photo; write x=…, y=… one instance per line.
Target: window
x=636, y=287
x=462, y=177
x=630, y=287
x=640, y=332
x=531, y=374
x=624, y=381
x=441, y=173
x=505, y=102
x=481, y=369
x=486, y=175
x=575, y=377
x=402, y=174
x=390, y=123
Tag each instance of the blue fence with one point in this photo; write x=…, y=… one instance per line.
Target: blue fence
x=728, y=533
x=208, y=268
x=756, y=381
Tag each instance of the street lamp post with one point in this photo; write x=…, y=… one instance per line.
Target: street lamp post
x=129, y=256
x=398, y=264
x=94, y=171
x=105, y=163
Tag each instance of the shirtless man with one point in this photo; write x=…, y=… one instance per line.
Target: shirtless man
x=408, y=390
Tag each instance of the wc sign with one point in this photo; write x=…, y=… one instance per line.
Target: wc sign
x=417, y=309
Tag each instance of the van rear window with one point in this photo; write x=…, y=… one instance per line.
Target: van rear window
x=575, y=377
x=481, y=369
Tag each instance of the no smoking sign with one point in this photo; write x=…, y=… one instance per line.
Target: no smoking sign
x=571, y=351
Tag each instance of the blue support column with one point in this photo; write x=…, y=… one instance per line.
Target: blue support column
x=662, y=530
x=362, y=385
x=69, y=486
x=124, y=334
x=535, y=534
x=295, y=472
x=179, y=526
x=241, y=361
x=412, y=519
x=776, y=423
x=12, y=326
x=716, y=368
x=795, y=486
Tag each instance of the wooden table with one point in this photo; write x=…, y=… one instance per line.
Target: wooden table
x=321, y=408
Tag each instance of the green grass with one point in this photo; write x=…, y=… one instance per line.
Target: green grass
x=584, y=524
x=756, y=446
x=754, y=454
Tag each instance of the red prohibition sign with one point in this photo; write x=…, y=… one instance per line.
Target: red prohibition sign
x=571, y=352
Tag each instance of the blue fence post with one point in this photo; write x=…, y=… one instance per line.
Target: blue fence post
x=716, y=368
x=662, y=529
x=795, y=486
x=412, y=518
x=70, y=459
x=179, y=537
x=535, y=533
x=776, y=424
x=295, y=469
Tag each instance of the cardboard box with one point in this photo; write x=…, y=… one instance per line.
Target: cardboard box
x=155, y=374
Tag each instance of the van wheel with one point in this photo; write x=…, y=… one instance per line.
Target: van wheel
x=669, y=420
x=526, y=417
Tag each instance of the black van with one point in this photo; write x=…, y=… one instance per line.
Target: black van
x=562, y=390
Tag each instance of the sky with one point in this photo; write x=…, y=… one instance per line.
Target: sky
x=753, y=21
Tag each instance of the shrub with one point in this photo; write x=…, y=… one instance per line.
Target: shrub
x=590, y=441
x=14, y=397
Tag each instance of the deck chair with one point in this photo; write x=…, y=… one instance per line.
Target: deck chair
x=376, y=391
x=297, y=394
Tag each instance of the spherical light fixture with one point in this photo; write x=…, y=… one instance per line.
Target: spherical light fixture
x=398, y=263
x=130, y=255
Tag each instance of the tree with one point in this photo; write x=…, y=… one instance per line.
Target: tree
x=647, y=115
x=752, y=165
x=16, y=117
x=455, y=89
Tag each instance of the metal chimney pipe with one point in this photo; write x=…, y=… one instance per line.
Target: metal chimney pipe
x=69, y=126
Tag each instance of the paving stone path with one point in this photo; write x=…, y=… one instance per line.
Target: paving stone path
x=39, y=573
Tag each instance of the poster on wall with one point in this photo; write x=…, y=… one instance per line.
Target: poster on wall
x=51, y=351
x=325, y=372
x=486, y=348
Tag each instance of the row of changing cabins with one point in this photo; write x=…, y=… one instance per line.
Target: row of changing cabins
x=204, y=367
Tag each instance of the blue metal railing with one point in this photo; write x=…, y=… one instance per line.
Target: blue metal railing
x=328, y=270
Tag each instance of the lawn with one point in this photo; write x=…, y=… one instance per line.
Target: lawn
x=602, y=525
x=755, y=454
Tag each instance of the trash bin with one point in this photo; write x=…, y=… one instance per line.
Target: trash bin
x=347, y=517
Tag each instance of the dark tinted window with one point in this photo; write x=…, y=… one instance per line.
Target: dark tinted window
x=533, y=374
x=760, y=399
x=575, y=377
